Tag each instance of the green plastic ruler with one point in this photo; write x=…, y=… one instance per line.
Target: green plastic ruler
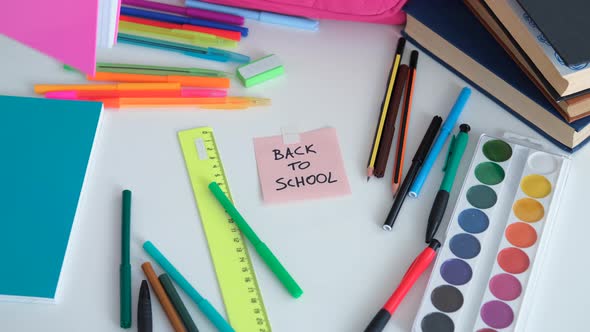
x=237, y=280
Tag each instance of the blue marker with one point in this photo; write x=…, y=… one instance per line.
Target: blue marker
x=158, y=16
x=445, y=131
x=266, y=17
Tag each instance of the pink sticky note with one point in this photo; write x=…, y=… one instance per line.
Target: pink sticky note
x=63, y=29
x=310, y=169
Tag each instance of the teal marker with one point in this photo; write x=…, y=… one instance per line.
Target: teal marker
x=456, y=151
x=267, y=256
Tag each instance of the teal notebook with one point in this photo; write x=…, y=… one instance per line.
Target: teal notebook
x=45, y=147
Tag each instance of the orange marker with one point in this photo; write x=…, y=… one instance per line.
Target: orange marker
x=404, y=124
x=233, y=35
x=204, y=103
x=173, y=316
x=44, y=88
x=194, y=81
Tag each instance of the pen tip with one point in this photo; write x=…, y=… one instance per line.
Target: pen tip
x=368, y=178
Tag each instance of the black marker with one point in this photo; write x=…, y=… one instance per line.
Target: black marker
x=144, y=309
x=416, y=164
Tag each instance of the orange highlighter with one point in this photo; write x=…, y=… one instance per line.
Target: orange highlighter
x=194, y=81
x=44, y=88
x=203, y=103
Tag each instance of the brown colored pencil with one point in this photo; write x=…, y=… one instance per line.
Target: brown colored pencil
x=389, y=130
x=173, y=316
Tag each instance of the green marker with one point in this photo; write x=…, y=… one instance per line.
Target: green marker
x=185, y=316
x=456, y=150
x=125, y=267
x=129, y=68
x=267, y=256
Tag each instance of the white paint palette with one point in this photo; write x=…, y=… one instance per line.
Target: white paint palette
x=485, y=273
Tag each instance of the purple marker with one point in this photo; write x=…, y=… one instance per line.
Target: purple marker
x=192, y=12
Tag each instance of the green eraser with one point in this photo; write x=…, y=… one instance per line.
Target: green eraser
x=260, y=70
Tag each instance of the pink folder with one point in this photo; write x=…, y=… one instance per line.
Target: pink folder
x=63, y=29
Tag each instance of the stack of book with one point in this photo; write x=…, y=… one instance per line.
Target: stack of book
x=519, y=53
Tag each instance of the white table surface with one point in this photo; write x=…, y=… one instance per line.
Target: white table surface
x=346, y=264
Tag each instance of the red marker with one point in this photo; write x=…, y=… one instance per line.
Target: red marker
x=415, y=270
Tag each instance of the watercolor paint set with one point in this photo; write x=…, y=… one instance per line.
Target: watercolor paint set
x=485, y=274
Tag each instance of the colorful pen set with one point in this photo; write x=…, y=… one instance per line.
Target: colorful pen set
x=191, y=81
x=170, y=18
x=186, y=98
x=233, y=35
x=423, y=162
x=162, y=296
x=206, y=308
x=147, y=86
x=192, y=12
x=192, y=38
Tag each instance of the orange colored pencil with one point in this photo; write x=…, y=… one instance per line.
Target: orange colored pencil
x=173, y=316
x=194, y=81
x=404, y=125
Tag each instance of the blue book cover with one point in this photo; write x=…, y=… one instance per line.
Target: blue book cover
x=453, y=21
x=46, y=147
